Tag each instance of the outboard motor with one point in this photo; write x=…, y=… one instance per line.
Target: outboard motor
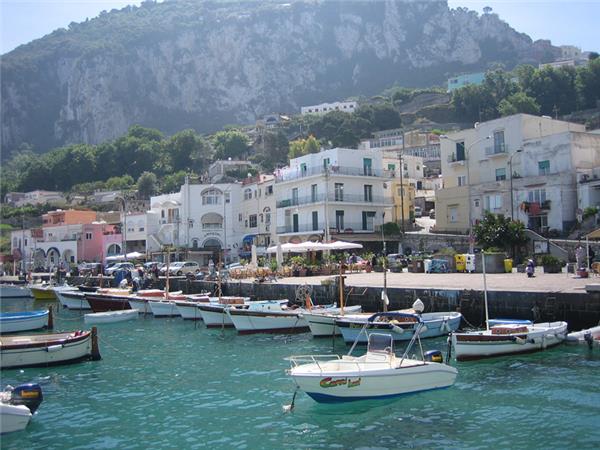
x=434, y=356
x=29, y=394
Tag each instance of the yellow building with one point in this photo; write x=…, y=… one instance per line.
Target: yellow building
x=400, y=201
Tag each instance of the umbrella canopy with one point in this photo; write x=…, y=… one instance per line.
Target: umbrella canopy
x=342, y=245
x=135, y=255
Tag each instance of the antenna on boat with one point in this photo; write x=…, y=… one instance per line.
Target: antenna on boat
x=341, y=284
x=485, y=299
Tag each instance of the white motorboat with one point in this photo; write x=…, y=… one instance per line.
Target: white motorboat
x=322, y=324
x=17, y=406
x=213, y=313
x=111, y=316
x=188, y=309
x=589, y=336
x=377, y=374
x=48, y=291
x=14, y=322
x=142, y=300
x=436, y=323
x=164, y=308
x=507, y=339
x=14, y=291
x=73, y=300
x=252, y=320
x=47, y=349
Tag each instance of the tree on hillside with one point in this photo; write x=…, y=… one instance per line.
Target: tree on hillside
x=173, y=182
x=302, y=147
x=588, y=83
x=272, y=150
x=188, y=151
x=230, y=144
x=495, y=230
x=119, y=183
x=380, y=117
x=146, y=185
x=553, y=89
x=518, y=103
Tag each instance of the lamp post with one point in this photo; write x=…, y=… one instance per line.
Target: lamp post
x=469, y=147
x=401, y=169
x=384, y=297
x=512, y=203
x=124, y=227
x=326, y=206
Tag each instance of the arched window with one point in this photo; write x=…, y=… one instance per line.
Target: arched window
x=212, y=244
x=212, y=221
x=247, y=194
x=195, y=244
x=113, y=249
x=211, y=196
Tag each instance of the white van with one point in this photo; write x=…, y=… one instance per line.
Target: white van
x=418, y=212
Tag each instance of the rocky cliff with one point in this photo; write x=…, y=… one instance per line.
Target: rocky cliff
x=183, y=63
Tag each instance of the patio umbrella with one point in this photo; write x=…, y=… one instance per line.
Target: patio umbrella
x=279, y=256
x=254, y=256
x=135, y=255
x=342, y=245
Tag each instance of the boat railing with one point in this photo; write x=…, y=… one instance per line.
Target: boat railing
x=357, y=364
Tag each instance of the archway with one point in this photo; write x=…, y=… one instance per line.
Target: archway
x=52, y=257
x=113, y=250
x=68, y=256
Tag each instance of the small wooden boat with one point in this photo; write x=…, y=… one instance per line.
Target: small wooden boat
x=284, y=320
x=73, y=300
x=507, y=339
x=589, y=336
x=48, y=349
x=214, y=314
x=377, y=374
x=109, y=299
x=111, y=316
x=188, y=309
x=14, y=291
x=17, y=406
x=435, y=324
x=47, y=292
x=322, y=324
x=13, y=322
x=143, y=300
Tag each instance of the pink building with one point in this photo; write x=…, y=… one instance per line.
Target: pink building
x=99, y=240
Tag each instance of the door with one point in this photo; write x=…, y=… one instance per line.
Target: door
x=367, y=166
x=295, y=223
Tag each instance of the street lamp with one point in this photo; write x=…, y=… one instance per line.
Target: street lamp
x=124, y=226
x=384, y=297
x=512, y=203
x=469, y=147
x=401, y=168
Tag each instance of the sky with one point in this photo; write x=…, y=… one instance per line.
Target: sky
x=572, y=22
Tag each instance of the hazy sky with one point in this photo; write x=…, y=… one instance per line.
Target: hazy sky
x=563, y=21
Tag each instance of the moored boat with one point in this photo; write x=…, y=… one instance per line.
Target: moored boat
x=188, y=309
x=14, y=322
x=111, y=316
x=322, y=324
x=507, y=339
x=47, y=292
x=47, y=349
x=402, y=328
x=73, y=300
x=108, y=299
x=252, y=320
x=213, y=313
x=588, y=336
x=14, y=291
x=17, y=406
x=377, y=374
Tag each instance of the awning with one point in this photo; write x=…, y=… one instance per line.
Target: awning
x=594, y=234
x=249, y=238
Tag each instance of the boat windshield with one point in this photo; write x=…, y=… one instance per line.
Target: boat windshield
x=381, y=343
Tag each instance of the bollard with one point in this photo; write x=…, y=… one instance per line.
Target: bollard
x=50, y=318
x=95, y=349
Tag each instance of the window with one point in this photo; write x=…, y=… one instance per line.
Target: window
x=315, y=220
x=268, y=218
x=537, y=196
x=253, y=223
x=269, y=190
x=368, y=219
x=88, y=236
x=338, y=192
x=460, y=151
x=25, y=242
x=239, y=217
x=303, y=169
x=462, y=180
x=368, y=192
x=325, y=163
x=501, y=174
x=391, y=167
x=295, y=223
x=295, y=196
x=367, y=166
x=162, y=214
x=499, y=146
x=191, y=225
x=227, y=197
x=247, y=194
x=339, y=220
x=211, y=197
x=544, y=167
x=313, y=193
x=493, y=202
x=452, y=214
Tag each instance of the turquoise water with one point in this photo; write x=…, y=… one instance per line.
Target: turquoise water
x=166, y=383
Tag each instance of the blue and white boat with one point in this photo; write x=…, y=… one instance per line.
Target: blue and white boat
x=13, y=322
x=402, y=328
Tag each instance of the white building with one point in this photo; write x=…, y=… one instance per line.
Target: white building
x=198, y=221
x=325, y=108
x=34, y=198
x=135, y=232
x=342, y=192
x=521, y=166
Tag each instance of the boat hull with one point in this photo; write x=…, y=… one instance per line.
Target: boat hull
x=323, y=325
x=16, y=322
x=45, y=350
x=588, y=336
x=13, y=417
x=478, y=345
x=73, y=300
x=14, y=291
x=345, y=386
x=214, y=316
x=102, y=303
x=43, y=293
x=164, y=309
x=111, y=316
x=189, y=310
x=438, y=324
x=249, y=322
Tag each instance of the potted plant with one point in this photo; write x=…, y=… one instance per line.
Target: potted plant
x=368, y=256
x=380, y=261
x=551, y=264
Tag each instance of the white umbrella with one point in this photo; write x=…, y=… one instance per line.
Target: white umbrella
x=287, y=248
x=342, y=245
x=254, y=256
x=115, y=258
x=135, y=255
x=310, y=246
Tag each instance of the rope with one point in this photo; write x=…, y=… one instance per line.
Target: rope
x=104, y=342
x=470, y=324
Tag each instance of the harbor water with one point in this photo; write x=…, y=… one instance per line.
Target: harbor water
x=166, y=383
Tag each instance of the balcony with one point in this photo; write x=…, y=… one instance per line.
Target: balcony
x=333, y=198
x=290, y=175
x=308, y=228
x=496, y=150
x=452, y=160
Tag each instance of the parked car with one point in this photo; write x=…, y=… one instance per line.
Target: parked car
x=397, y=260
x=234, y=265
x=418, y=212
x=181, y=268
x=91, y=268
x=119, y=266
x=432, y=214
